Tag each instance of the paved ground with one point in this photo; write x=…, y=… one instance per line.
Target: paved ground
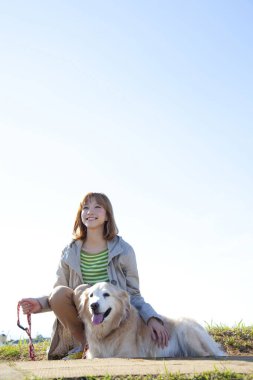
x=78, y=369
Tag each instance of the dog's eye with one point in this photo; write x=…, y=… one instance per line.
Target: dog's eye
x=106, y=294
x=91, y=295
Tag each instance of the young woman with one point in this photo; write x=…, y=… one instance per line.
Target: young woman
x=96, y=254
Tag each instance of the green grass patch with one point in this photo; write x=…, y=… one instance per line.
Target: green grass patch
x=20, y=351
x=237, y=340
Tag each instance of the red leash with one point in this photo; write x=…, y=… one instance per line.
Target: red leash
x=28, y=331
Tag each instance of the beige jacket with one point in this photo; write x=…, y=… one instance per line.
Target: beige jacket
x=122, y=271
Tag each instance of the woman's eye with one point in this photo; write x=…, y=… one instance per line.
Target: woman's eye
x=85, y=207
x=106, y=294
x=97, y=206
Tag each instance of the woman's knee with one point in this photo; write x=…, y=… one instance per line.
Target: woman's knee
x=62, y=304
x=61, y=295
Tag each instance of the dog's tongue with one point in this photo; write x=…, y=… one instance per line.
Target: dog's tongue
x=97, y=318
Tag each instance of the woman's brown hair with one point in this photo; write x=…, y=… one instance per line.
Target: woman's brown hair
x=110, y=228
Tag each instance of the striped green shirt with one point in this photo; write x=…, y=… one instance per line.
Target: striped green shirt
x=94, y=267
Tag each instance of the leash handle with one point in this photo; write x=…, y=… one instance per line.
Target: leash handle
x=28, y=331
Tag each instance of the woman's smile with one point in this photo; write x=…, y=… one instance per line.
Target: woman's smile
x=92, y=212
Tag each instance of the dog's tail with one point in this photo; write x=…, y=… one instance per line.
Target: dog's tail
x=193, y=340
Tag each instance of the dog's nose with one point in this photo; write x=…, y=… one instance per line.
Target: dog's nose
x=94, y=306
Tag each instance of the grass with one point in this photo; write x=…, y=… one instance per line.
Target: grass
x=237, y=341
x=211, y=375
x=20, y=351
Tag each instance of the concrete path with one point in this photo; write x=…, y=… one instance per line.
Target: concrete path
x=78, y=369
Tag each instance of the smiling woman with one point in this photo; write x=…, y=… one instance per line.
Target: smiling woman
x=96, y=254
x=95, y=205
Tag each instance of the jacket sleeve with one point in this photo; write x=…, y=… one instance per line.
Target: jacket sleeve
x=129, y=267
x=62, y=278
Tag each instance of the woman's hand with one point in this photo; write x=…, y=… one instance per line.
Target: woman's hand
x=158, y=332
x=30, y=305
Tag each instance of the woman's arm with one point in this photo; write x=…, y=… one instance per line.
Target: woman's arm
x=158, y=332
x=129, y=266
x=30, y=305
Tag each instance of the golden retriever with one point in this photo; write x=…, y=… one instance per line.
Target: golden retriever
x=114, y=329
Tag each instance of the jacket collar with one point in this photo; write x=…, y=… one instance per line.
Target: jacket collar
x=115, y=247
x=72, y=256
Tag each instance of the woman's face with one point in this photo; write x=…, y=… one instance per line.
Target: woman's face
x=93, y=215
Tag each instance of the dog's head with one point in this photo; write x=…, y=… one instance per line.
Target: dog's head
x=104, y=307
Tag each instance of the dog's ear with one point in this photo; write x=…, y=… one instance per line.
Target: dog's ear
x=125, y=299
x=81, y=294
x=124, y=295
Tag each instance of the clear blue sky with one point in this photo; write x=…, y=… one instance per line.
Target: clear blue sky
x=149, y=102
